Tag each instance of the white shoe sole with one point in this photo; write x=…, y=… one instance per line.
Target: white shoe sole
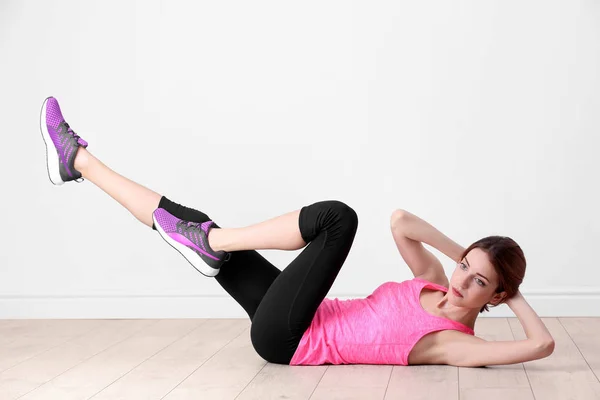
x=189, y=254
x=51, y=162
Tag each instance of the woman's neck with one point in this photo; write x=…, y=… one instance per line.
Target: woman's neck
x=465, y=316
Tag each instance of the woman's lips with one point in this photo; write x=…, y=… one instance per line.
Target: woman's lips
x=456, y=293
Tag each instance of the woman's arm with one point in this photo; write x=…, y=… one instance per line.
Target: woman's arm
x=417, y=229
x=532, y=324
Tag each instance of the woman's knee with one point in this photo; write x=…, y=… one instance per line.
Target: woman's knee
x=257, y=340
x=346, y=212
x=267, y=344
x=327, y=215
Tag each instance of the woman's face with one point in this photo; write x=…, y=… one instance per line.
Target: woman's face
x=476, y=279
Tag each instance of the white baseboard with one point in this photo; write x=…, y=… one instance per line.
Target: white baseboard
x=547, y=303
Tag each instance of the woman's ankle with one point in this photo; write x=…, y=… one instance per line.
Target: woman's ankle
x=81, y=159
x=213, y=240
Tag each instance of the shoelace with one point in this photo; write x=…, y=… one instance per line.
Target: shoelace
x=72, y=132
x=192, y=223
x=198, y=225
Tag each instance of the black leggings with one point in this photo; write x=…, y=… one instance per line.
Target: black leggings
x=282, y=304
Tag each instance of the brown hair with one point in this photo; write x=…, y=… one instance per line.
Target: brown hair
x=508, y=260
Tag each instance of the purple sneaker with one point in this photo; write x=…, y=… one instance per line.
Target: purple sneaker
x=191, y=240
x=61, y=144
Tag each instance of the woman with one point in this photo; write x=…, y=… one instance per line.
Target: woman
x=292, y=321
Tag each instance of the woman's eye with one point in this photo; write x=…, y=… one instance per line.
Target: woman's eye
x=479, y=281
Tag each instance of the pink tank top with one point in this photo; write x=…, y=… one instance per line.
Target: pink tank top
x=379, y=329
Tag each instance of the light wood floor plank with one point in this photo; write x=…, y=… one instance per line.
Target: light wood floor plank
x=585, y=333
x=41, y=336
x=224, y=375
x=494, y=378
x=277, y=381
x=93, y=375
x=423, y=382
x=353, y=382
x=40, y=327
x=13, y=329
x=518, y=393
x=30, y=374
x=161, y=373
x=563, y=375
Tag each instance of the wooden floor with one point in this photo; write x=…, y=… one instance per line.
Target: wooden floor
x=214, y=359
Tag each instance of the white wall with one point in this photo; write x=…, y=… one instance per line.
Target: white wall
x=480, y=117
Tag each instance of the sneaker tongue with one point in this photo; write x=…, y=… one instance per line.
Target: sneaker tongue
x=207, y=226
x=82, y=142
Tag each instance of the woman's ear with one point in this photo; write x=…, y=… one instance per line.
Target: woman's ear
x=498, y=298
